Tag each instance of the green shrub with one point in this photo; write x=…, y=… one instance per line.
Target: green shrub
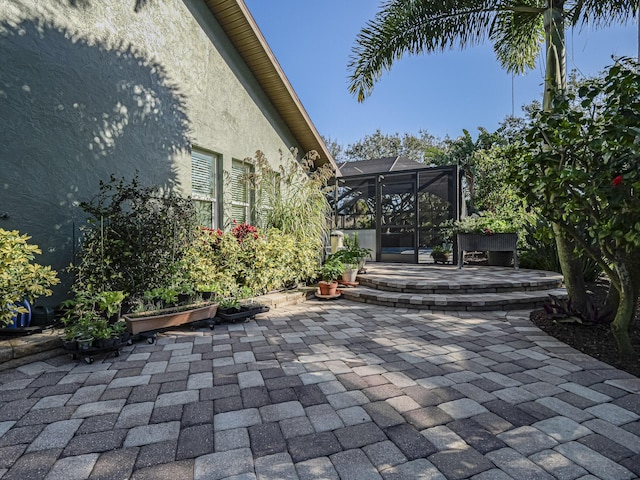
x=538, y=250
x=20, y=278
x=141, y=239
x=135, y=238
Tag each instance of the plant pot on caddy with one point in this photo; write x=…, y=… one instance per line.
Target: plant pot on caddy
x=332, y=269
x=241, y=313
x=328, y=288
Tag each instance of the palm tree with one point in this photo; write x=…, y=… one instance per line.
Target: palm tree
x=517, y=28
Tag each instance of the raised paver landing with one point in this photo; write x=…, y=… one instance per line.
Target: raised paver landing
x=445, y=287
x=334, y=390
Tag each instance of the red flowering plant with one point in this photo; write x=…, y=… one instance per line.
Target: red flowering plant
x=578, y=166
x=241, y=230
x=213, y=235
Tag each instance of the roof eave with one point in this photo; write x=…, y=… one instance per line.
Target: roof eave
x=245, y=35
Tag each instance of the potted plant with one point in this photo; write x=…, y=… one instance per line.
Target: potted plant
x=24, y=279
x=110, y=303
x=352, y=245
x=80, y=326
x=352, y=253
x=440, y=254
x=229, y=305
x=161, y=297
x=207, y=290
x=329, y=273
x=102, y=334
x=350, y=272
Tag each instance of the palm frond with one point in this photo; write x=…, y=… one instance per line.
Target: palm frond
x=517, y=39
x=413, y=27
x=601, y=13
x=427, y=26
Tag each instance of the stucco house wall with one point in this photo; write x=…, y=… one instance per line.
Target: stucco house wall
x=90, y=88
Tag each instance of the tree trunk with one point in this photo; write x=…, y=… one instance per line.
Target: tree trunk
x=556, y=79
x=633, y=263
x=555, y=75
x=571, y=270
x=611, y=304
x=622, y=323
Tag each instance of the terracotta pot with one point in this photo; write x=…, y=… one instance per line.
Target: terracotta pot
x=327, y=288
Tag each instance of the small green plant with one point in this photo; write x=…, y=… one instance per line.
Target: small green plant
x=100, y=329
x=352, y=253
x=439, y=251
x=486, y=223
x=118, y=328
x=228, y=303
x=208, y=287
x=110, y=302
x=20, y=278
x=352, y=244
x=166, y=295
x=81, y=323
x=331, y=270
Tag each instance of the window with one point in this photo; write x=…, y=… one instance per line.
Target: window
x=204, y=168
x=241, y=192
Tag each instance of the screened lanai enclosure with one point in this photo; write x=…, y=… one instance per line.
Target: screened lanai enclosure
x=396, y=206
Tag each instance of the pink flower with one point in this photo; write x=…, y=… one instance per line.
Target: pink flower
x=488, y=231
x=617, y=181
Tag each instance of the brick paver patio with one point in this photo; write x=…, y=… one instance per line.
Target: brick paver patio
x=327, y=390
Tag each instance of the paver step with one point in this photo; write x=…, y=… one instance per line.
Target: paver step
x=424, y=279
x=455, y=301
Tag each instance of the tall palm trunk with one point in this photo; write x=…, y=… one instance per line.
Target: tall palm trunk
x=556, y=79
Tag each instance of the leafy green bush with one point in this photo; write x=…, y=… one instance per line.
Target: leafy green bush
x=135, y=238
x=20, y=278
x=538, y=250
x=579, y=167
x=266, y=261
x=144, y=239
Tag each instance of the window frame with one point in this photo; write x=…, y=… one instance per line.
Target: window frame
x=214, y=197
x=246, y=169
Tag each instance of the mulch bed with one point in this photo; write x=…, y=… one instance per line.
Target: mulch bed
x=595, y=340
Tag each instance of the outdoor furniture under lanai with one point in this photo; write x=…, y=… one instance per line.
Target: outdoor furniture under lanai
x=498, y=242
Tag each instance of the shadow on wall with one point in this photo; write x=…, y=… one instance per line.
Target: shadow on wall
x=72, y=112
x=139, y=4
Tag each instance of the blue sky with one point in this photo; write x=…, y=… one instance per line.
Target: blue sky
x=441, y=93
